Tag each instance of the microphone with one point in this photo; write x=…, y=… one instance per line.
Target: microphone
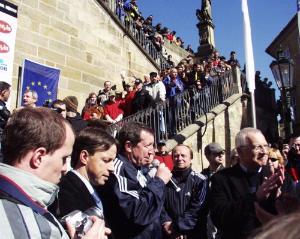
x=155, y=163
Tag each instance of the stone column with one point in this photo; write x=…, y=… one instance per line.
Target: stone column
x=206, y=29
x=236, y=74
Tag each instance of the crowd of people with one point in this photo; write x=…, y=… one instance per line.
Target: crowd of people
x=143, y=29
x=63, y=175
x=128, y=10
x=126, y=189
x=57, y=162
x=110, y=104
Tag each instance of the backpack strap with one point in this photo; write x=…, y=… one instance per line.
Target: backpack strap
x=12, y=192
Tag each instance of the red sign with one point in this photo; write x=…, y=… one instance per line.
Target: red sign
x=4, y=48
x=5, y=27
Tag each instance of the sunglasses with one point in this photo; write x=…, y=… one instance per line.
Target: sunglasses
x=219, y=154
x=58, y=110
x=273, y=159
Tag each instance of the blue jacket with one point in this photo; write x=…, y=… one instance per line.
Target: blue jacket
x=171, y=88
x=185, y=208
x=132, y=203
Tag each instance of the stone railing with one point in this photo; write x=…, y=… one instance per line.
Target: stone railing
x=169, y=118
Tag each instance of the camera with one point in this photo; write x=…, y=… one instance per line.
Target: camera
x=81, y=221
x=46, y=104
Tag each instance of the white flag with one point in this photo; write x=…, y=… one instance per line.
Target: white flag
x=298, y=14
x=298, y=17
x=250, y=69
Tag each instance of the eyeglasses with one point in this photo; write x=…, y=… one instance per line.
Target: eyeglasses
x=58, y=110
x=256, y=147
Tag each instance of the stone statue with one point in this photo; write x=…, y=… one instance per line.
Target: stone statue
x=206, y=28
x=206, y=9
x=204, y=16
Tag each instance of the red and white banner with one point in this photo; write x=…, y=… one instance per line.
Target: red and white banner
x=8, y=29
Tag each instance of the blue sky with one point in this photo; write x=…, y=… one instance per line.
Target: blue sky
x=267, y=17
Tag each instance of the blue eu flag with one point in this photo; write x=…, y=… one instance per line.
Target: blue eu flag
x=42, y=79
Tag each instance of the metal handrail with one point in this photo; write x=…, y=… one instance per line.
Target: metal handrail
x=137, y=34
x=170, y=117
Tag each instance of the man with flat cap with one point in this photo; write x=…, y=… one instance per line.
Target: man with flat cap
x=215, y=155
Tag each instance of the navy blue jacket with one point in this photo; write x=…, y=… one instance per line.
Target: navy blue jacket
x=184, y=208
x=132, y=208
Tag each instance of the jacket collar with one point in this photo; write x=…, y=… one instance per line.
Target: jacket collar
x=39, y=190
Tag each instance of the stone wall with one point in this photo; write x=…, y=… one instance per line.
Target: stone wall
x=177, y=52
x=223, y=123
x=78, y=37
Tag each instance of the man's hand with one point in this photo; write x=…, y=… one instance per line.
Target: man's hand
x=163, y=173
x=271, y=185
x=180, y=237
x=97, y=231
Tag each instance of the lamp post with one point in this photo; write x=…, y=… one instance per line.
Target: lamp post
x=283, y=71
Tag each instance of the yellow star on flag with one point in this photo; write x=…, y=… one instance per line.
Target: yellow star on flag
x=49, y=93
x=39, y=83
x=50, y=101
x=32, y=83
x=27, y=87
x=45, y=87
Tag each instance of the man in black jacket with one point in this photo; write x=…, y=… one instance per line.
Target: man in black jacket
x=183, y=209
x=142, y=98
x=92, y=159
x=4, y=112
x=236, y=191
x=215, y=155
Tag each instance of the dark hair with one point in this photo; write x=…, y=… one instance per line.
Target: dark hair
x=131, y=131
x=4, y=86
x=97, y=123
x=57, y=102
x=189, y=148
x=91, y=139
x=30, y=128
x=153, y=74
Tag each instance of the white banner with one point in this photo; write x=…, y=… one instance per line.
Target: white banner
x=8, y=29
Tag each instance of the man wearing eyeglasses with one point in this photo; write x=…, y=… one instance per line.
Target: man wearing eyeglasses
x=237, y=191
x=60, y=107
